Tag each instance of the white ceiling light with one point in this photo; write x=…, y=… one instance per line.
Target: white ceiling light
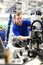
x=42, y=6
x=33, y=3
x=38, y=0
x=2, y=6
x=7, y=0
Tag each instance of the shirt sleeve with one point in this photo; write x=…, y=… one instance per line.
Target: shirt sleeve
x=16, y=32
x=28, y=22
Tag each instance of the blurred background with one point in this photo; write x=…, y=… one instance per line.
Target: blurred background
x=26, y=7
x=23, y=6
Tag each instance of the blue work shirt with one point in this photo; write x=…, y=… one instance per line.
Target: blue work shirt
x=42, y=21
x=2, y=35
x=22, y=30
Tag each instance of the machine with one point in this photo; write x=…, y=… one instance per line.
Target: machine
x=23, y=53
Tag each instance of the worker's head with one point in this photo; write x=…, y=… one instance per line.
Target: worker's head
x=18, y=19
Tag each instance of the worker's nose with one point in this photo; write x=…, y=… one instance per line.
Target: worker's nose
x=19, y=20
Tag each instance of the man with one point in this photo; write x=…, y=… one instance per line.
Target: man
x=20, y=27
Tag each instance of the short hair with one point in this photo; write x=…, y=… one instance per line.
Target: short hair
x=17, y=14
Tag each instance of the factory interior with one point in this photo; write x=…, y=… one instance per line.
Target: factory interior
x=21, y=32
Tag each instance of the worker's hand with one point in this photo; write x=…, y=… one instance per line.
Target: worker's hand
x=23, y=37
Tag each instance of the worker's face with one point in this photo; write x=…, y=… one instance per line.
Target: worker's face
x=18, y=20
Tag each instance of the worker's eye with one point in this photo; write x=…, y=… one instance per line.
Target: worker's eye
x=18, y=19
